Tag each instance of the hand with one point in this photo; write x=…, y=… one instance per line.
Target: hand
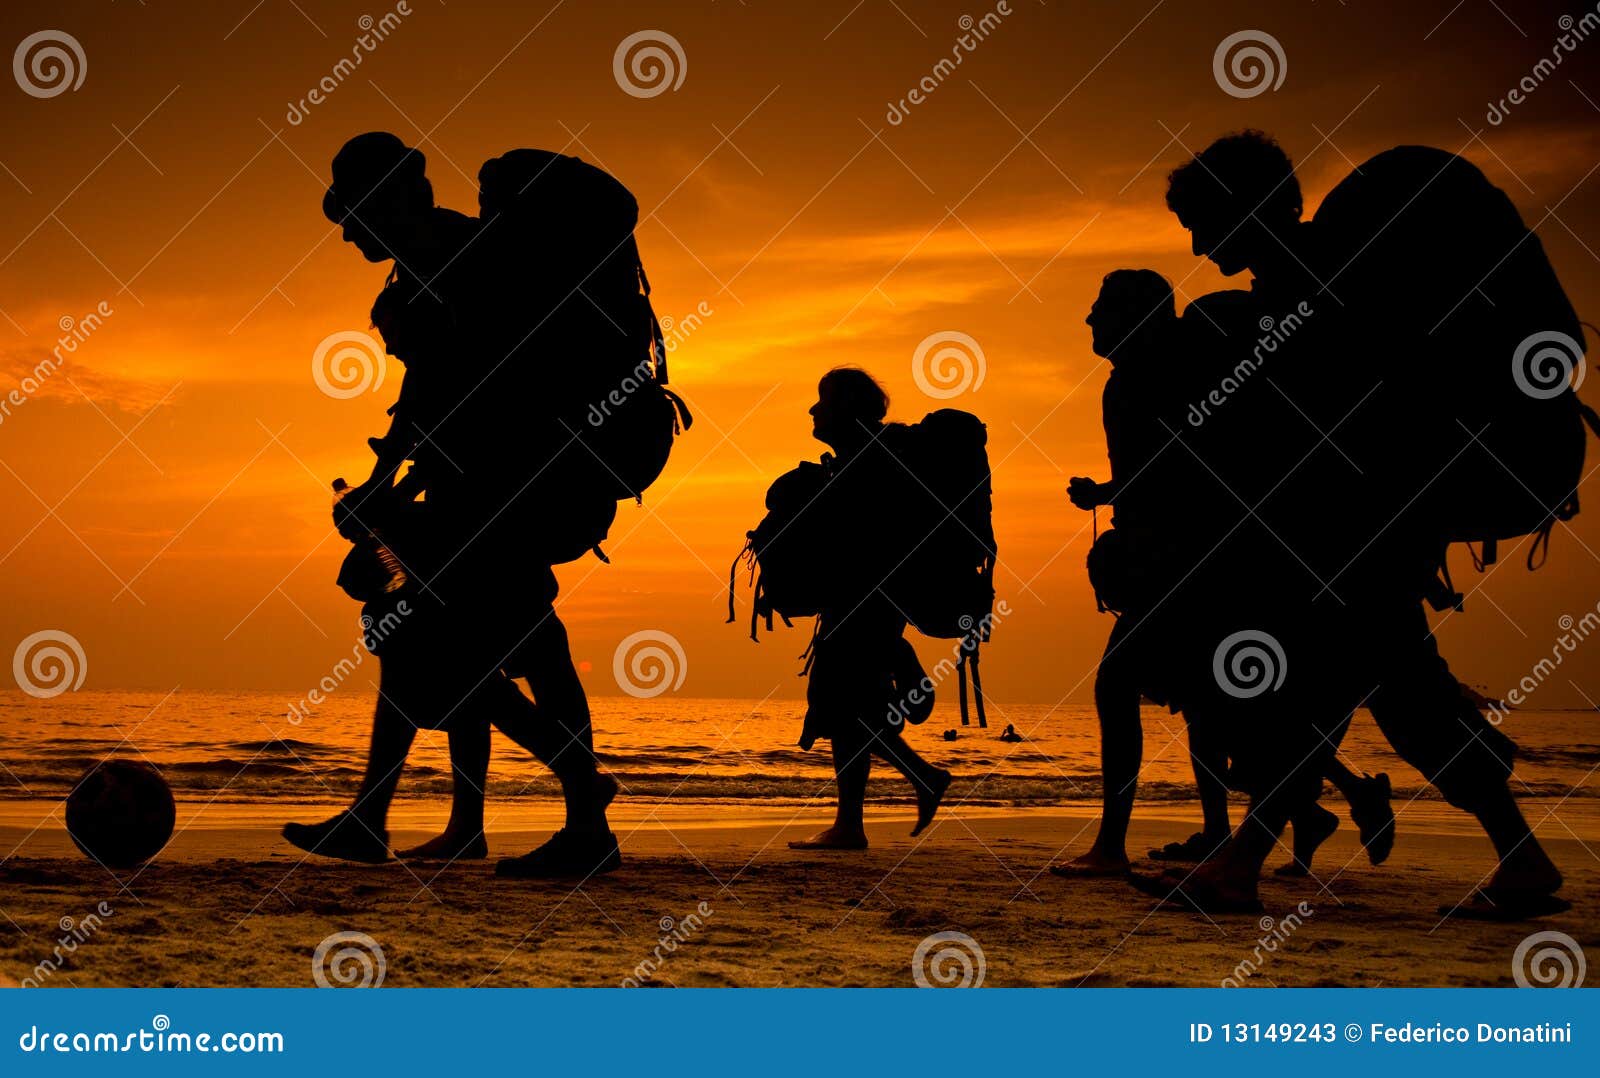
x=1084, y=492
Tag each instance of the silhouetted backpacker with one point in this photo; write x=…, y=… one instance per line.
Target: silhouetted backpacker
x=1475, y=342
x=587, y=352
x=927, y=541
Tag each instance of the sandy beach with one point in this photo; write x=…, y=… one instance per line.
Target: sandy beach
x=229, y=903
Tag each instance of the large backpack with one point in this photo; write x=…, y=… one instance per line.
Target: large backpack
x=1436, y=269
x=942, y=506
x=561, y=230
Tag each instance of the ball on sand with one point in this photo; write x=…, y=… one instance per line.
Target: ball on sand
x=121, y=813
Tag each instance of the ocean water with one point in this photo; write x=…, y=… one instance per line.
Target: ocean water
x=243, y=747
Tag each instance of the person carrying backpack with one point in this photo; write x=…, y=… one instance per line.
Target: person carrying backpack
x=861, y=665
x=511, y=490
x=1360, y=520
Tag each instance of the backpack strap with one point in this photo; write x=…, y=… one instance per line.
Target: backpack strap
x=977, y=686
x=658, y=340
x=961, y=686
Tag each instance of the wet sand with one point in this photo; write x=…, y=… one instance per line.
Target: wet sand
x=229, y=903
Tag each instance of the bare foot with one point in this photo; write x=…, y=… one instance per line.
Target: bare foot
x=928, y=801
x=1208, y=888
x=1528, y=871
x=1093, y=865
x=449, y=846
x=834, y=838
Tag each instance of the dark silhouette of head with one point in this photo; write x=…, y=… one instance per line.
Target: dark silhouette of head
x=1239, y=199
x=850, y=409
x=380, y=195
x=1133, y=312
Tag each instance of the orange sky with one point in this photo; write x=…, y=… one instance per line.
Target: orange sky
x=163, y=497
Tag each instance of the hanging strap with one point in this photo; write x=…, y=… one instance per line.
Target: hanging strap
x=961, y=685
x=977, y=689
x=810, y=653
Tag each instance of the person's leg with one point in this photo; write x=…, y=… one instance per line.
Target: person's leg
x=929, y=781
x=1116, y=703
x=555, y=727
x=1208, y=756
x=1420, y=708
x=359, y=833
x=463, y=838
x=852, y=766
